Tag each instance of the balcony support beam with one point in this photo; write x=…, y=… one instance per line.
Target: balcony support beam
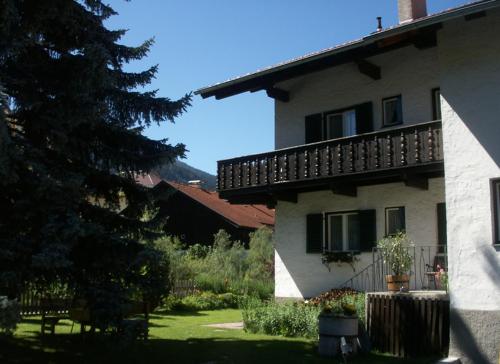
x=350, y=190
x=286, y=196
x=278, y=94
x=415, y=181
x=369, y=69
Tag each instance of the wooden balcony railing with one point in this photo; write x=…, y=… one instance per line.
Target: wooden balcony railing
x=392, y=149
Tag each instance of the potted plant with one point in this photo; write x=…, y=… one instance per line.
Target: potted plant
x=337, y=319
x=395, y=251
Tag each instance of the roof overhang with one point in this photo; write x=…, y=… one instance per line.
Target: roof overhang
x=421, y=33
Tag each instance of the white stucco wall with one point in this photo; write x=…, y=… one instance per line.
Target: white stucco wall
x=469, y=54
x=300, y=275
x=408, y=71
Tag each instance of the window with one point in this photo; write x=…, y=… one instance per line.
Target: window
x=342, y=124
x=394, y=220
x=496, y=209
x=436, y=104
x=343, y=232
x=392, y=111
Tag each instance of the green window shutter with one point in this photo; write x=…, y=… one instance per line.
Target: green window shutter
x=368, y=229
x=314, y=128
x=441, y=222
x=314, y=234
x=364, y=118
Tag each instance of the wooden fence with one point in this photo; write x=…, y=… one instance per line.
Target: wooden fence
x=183, y=288
x=409, y=324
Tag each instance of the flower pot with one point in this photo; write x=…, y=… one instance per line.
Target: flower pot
x=337, y=325
x=331, y=328
x=396, y=282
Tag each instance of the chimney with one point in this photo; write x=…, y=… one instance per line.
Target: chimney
x=409, y=10
x=195, y=183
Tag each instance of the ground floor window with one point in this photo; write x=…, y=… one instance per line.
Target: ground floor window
x=394, y=220
x=496, y=209
x=343, y=231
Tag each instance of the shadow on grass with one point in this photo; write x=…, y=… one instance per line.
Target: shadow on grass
x=76, y=349
x=165, y=314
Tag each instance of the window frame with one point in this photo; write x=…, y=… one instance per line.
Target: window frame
x=398, y=98
x=495, y=201
x=345, y=244
x=341, y=111
x=436, y=106
x=387, y=220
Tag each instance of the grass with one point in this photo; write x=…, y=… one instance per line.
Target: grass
x=175, y=337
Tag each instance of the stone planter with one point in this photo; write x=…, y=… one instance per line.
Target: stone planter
x=396, y=282
x=331, y=328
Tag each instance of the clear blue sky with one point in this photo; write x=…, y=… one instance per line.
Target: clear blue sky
x=202, y=42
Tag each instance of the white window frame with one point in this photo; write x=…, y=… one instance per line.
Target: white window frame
x=345, y=230
x=344, y=123
x=398, y=99
x=396, y=208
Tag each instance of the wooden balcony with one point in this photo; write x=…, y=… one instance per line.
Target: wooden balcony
x=411, y=154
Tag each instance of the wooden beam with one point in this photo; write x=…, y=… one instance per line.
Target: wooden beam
x=271, y=203
x=278, y=94
x=286, y=196
x=350, y=190
x=416, y=181
x=425, y=40
x=369, y=69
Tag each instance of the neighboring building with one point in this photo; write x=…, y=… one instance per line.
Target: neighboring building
x=399, y=130
x=195, y=214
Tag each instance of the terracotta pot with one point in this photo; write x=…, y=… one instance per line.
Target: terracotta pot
x=395, y=282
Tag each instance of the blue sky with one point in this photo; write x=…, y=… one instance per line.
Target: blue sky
x=202, y=42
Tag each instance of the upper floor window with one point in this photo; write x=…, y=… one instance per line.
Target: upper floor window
x=495, y=186
x=342, y=124
x=348, y=121
x=392, y=111
x=436, y=104
x=394, y=220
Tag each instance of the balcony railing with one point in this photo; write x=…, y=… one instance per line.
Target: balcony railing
x=428, y=270
x=392, y=149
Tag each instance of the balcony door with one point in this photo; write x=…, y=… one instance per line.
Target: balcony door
x=342, y=124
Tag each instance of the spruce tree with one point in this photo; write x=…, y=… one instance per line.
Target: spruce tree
x=71, y=144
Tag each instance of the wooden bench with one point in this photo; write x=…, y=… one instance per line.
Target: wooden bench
x=53, y=310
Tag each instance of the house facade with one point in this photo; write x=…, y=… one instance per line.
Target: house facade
x=398, y=130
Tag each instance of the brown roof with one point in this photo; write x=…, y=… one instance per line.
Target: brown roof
x=251, y=216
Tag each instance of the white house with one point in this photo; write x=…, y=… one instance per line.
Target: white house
x=397, y=130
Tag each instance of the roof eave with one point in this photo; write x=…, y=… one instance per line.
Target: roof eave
x=218, y=89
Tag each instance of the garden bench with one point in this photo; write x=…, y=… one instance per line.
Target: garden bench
x=53, y=310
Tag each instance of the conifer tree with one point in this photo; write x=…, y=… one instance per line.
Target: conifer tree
x=71, y=144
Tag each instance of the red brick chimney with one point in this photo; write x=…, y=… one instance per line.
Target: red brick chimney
x=409, y=10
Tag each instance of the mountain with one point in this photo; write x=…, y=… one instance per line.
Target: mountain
x=183, y=173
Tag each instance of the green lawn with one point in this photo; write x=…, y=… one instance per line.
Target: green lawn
x=174, y=338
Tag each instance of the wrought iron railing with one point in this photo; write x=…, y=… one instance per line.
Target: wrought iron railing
x=428, y=271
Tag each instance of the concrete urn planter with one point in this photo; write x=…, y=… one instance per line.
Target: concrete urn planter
x=331, y=329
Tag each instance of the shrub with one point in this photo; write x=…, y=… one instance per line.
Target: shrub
x=204, y=301
x=226, y=267
x=341, y=300
x=286, y=319
x=9, y=315
x=396, y=253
